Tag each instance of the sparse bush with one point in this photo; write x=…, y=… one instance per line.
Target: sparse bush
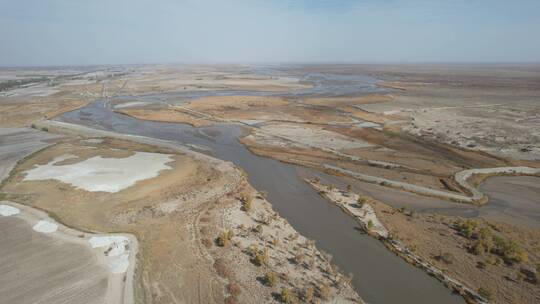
x=324, y=291
x=224, y=238
x=307, y=295
x=260, y=258
x=509, y=250
x=447, y=258
x=221, y=268
x=207, y=243
x=45, y=129
x=369, y=224
x=486, y=294
x=478, y=248
x=233, y=289
x=270, y=279
x=361, y=201
x=246, y=202
x=258, y=228
x=310, y=263
x=287, y=296
x=349, y=188
x=466, y=228
x=298, y=258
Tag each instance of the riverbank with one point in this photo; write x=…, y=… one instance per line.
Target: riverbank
x=359, y=207
x=181, y=208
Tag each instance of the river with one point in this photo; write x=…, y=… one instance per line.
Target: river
x=379, y=275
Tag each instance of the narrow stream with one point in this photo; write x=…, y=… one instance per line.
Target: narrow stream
x=379, y=275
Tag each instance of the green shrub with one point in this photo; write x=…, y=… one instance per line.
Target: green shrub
x=260, y=259
x=270, y=279
x=467, y=228
x=370, y=224
x=287, y=296
x=509, y=250
x=478, y=248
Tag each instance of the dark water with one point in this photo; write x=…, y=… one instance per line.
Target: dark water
x=379, y=275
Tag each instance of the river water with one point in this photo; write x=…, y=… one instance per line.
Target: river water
x=379, y=275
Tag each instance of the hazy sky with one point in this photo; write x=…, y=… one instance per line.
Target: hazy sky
x=73, y=32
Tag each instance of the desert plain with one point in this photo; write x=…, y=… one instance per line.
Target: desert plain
x=270, y=184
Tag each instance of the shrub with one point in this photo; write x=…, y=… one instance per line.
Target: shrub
x=222, y=269
x=466, y=228
x=299, y=257
x=224, y=238
x=447, y=257
x=509, y=250
x=246, y=202
x=258, y=228
x=233, y=289
x=484, y=293
x=270, y=279
x=324, y=291
x=260, y=259
x=307, y=295
x=361, y=201
x=349, y=188
x=478, y=248
x=370, y=224
x=207, y=243
x=287, y=296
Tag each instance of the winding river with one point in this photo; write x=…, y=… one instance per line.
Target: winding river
x=379, y=275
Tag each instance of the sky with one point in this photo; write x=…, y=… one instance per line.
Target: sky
x=81, y=32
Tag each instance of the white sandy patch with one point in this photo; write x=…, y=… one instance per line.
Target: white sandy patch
x=251, y=122
x=103, y=174
x=132, y=104
x=117, y=252
x=93, y=140
x=45, y=227
x=6, y=210
x=314, y=137
x=349, y=201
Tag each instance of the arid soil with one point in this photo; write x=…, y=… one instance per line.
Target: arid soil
x=436, y=239
x=176, y=217
x=198, y=240
x=44, y=261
